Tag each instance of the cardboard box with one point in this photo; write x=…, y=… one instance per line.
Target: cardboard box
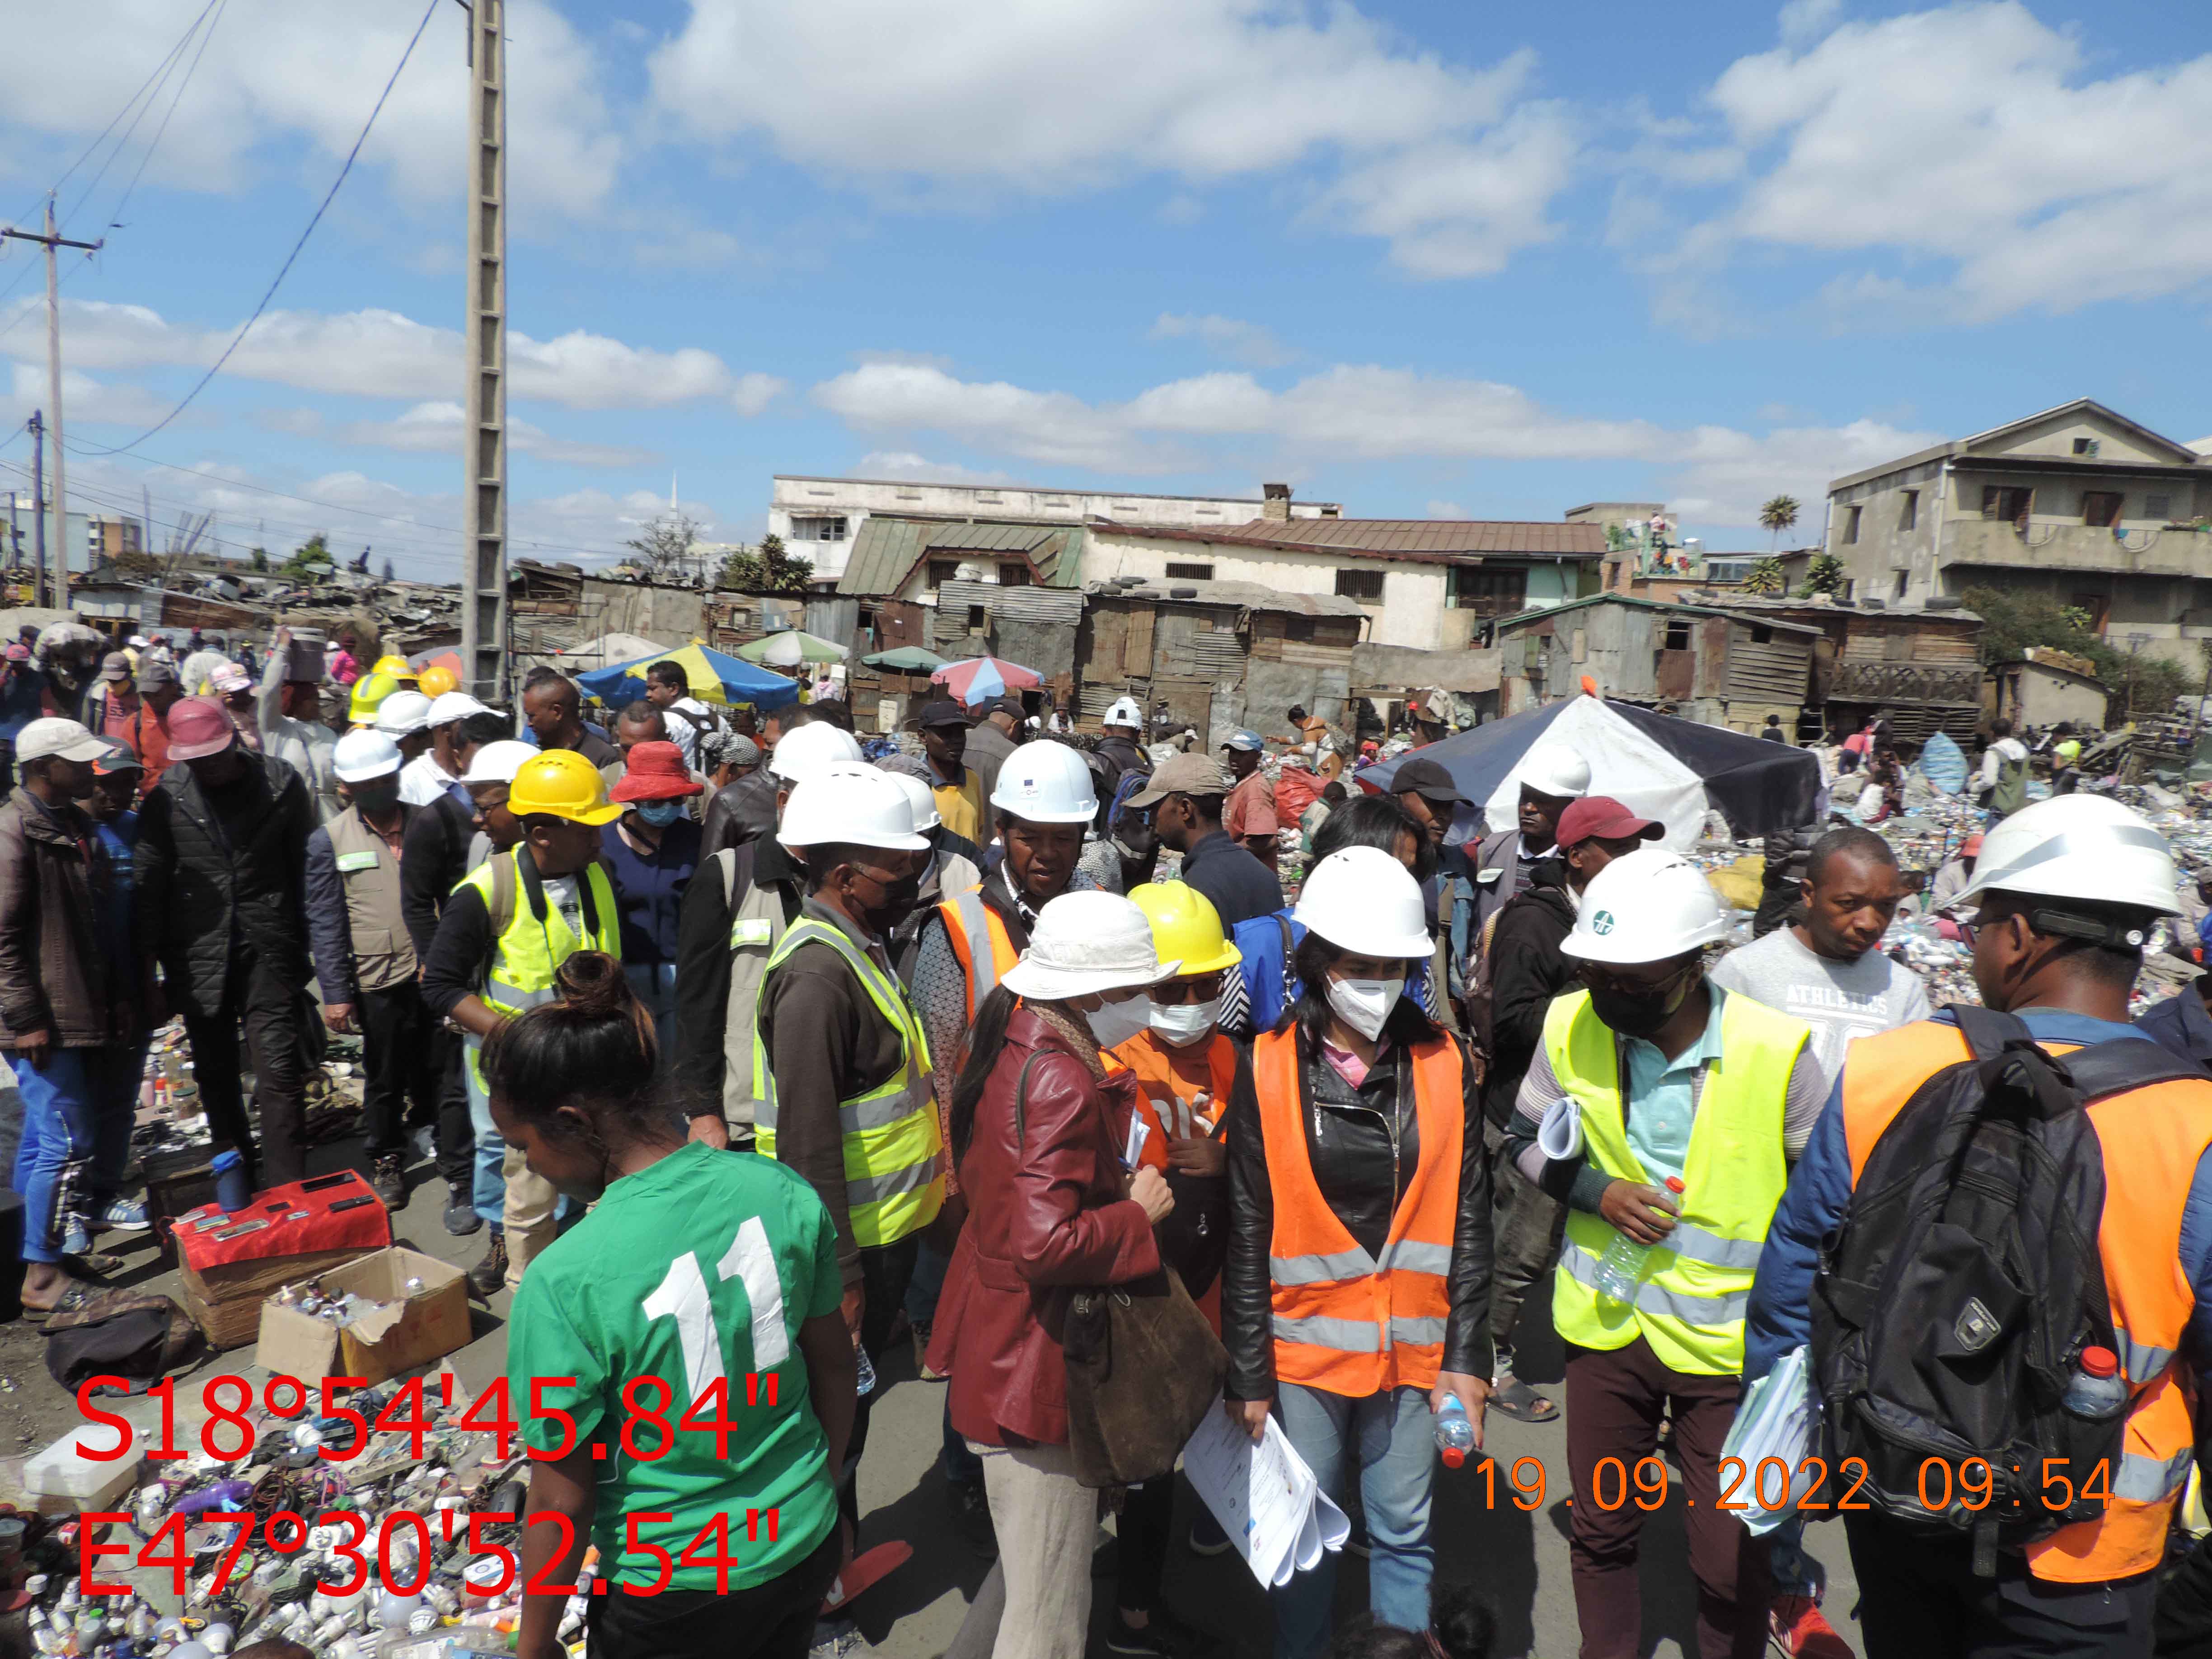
x=411, y=1331
x=225, y=1301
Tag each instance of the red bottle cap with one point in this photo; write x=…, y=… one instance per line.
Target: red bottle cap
x=1674, y=1183
x=1453, y=1457
x=2099, y=1362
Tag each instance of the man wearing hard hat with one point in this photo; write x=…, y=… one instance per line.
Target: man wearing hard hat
x=2063, y=895
x=1665, y=1112
x=511, y=923
x=842, y=1070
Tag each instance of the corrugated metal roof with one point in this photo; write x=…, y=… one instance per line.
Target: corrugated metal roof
x=1522, y=619
x=887, y=548
x=1250, y=596
x=1403, y=538
x=1063, y=605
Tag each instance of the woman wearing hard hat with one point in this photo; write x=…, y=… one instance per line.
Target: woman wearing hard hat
x=1671, y=1175
x=1353, y=1186
x=1038, y=1125
x=1188, y=1073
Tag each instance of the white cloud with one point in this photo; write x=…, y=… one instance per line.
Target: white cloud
x=1059, y=95
x=1355, y=412
x=1228, y=336
x=1972, y=137
x=435, y=429
x=754, y=392
x=285, y=88
x=1447, y=510
x=85, y=401
x=1801, y=20
x=382, y=353
x=905, y=464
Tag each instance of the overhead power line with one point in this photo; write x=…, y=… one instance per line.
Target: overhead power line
x=283, y=270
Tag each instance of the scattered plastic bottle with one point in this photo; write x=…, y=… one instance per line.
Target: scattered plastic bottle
x=1454, y=1433
x=2097, y=1389
x=867, y=1384
x=1621, y=1268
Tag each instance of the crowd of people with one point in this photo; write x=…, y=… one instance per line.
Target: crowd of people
x=1007, y=1021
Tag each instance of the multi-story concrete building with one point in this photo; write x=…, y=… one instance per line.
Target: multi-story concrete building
x=2077, y=502
x=819, y=518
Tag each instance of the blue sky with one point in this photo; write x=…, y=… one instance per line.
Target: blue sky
x=1426, y=260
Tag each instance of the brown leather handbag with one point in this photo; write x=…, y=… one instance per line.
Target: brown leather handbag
x=1144, y=1367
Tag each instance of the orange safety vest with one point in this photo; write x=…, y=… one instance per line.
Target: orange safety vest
x=2151, y=1139
x=1162, y=1083
x=1344, y=1321
x=965, y=915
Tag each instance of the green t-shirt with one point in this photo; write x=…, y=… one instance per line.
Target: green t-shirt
x=704, y=1265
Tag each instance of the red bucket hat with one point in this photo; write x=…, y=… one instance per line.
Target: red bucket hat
x=656, y=772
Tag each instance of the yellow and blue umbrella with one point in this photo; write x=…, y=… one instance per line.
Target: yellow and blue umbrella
x=713, y=676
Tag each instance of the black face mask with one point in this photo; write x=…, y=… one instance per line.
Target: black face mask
x=1644, y=1012
x=380, y=796
x=898, y=904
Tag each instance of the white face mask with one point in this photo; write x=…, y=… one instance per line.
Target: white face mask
x=1364, y=1004
x=1185, y=1022
x=1114, y=1023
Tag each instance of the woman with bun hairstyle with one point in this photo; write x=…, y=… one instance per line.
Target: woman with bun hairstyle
x=693, y=1267
x=1356, y=1297
x=1040, y=1120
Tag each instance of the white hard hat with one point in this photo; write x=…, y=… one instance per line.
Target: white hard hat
x=799, y=754
x=2084, y=847
x=498, y=763
x=860, y=805
x=403, y=714
x=921, y=798
x=1046, y=782
x=1362, y=900
x=364, y=754
x=1085, y=942
x=449, y=706
x=1125, y=712
x=1646, y=906
x=1552, y=769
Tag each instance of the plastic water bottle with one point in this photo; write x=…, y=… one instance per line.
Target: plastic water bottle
x=2097, y=1389
x=867, y=1385
x=1454, y=1434
x=1621, y=1269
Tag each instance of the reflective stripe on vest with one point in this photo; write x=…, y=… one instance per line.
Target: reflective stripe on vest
x=1344, y=1319
x=1691, y=1302
x=968, y=919
x=893, y=1153
x=2153, y=1139
x=520, y=974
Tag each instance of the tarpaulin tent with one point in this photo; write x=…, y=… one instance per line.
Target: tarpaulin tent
x=1672, y=770
x=714, y=676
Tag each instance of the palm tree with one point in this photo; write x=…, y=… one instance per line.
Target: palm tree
x=1777, y=516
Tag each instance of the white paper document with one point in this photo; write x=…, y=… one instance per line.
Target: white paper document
x=1265, y=1498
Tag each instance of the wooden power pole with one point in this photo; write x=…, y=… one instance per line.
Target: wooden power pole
x=483, y=511
x=52, y=240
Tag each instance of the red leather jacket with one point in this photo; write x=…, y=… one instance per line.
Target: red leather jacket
x=1047, y=1214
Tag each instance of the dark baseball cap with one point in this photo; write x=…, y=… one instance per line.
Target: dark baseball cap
x=1428, y=780
x=942, y=712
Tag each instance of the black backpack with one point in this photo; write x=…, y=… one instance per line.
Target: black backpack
x=1956, y=1297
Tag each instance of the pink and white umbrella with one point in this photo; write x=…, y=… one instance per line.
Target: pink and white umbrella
x=977, y=679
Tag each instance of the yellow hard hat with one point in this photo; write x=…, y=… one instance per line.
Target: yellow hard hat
x=436, y=681
x=397, y=667
x=369, y=692
x=561, y=784
x=1186, y=927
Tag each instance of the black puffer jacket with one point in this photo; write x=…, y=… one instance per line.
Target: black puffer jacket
x=200, y=894
x=1349, y=1144
x=1527, y=969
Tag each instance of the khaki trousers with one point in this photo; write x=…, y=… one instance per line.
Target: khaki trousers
x=527, y=1215
x=1046, y=1525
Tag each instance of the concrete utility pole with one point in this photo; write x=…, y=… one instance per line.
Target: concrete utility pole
x=37, y=506
x=483, y=511
x=52, y=240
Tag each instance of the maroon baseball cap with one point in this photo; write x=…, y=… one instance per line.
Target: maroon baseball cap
x=1606, y=818
x=199, y=727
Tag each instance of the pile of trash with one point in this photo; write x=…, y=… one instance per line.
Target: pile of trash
x=433, y=1598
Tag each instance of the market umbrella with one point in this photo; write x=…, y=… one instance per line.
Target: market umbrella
x=438, y=656
x=978, y=677
x=1672, y=770
x=714, y=676
x=906, y=659
x=791, y=648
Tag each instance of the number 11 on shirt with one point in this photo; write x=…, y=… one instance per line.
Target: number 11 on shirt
x=683, y=1297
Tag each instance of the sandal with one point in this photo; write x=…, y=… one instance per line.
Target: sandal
x=1521, y=1403
x=75, y=1299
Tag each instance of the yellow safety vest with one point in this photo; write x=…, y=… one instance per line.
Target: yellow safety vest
x=524, y=957
x=894, y=1173
x=1690, y=1305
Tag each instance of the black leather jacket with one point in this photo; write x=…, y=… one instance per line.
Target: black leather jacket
x=1349, y=1136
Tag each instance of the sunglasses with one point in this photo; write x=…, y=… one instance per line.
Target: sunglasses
x=1199, y=987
